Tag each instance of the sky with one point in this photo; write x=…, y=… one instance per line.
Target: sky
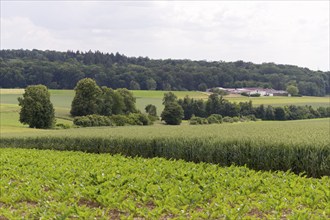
x=283, y=32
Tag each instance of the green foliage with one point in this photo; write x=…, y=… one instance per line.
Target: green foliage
x=36, y=108
x=133, y=85
x=151, y=84
x=119, y=120
x=250, y=95
x=214, y=119
x=198, y=121
x=62, y=70
x=213, y=104
x=109, y=102
x=75, y=185
x=217, y=119
x=228, y=119
x=269, y=113
x=90, y=99
x=219, y=91
x=202, y=87
x=169, y=97
x=280, y=114
x=63, y=126
x=172, y=114
x=139, y=119
x=292, y=90
x=87, y=98
x=192, y=107
x=114, y=120
x=118, y=103
x=151, y=110
x=218, y=105
x=129, y=101
x=92, y=121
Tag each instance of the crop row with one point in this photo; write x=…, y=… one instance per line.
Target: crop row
x=74, y=185
x=256, y=154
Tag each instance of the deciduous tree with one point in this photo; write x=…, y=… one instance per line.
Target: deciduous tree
x=172, y=114
x=36, y=108
x=87, y=98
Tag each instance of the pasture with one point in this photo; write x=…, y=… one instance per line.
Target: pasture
x=282, y=100
x=62, y=99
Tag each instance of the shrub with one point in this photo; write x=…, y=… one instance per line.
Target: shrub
x=151, y=110
x=228, y=119
x=114, y=120
x=198, y=121
x=63, y=126
x=138, y=119
x=214, y=119
x=235, y=119
x=92, y=121
x=119, y=120
x=172, y=114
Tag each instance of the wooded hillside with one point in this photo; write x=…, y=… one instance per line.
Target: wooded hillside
x=62, y=70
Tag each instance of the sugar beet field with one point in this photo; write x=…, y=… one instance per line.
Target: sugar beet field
x=250, y=170
x=75, y=185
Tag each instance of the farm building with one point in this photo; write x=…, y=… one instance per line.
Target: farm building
x=251, y=91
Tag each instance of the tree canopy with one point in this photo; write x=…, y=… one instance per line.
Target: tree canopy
x=87, y=98
x=36, y=108
x=292, y=90
x=172, y=113
x=91, y=99
x=62, y=70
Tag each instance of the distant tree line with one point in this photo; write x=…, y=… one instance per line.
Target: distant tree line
x=62, y=70
x=217, y=105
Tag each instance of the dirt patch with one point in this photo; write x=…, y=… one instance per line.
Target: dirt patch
x=115, y=214
x=150, y=205
x=88, y=203
x=285, y=213
x=257, y=213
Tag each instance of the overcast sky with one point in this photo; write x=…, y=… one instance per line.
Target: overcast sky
x=295, y=32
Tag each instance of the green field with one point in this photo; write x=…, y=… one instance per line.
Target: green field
x=48, y=184
x=283, y=100
x=62, y=99
x=74, y=185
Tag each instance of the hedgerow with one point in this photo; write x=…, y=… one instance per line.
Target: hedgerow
x=114, y=120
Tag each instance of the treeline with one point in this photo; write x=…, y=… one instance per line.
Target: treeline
x=62, y=70
x=217, y=105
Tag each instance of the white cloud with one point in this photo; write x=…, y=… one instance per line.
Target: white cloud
x=282, y=32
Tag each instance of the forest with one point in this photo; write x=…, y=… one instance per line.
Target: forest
x=62, y=70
